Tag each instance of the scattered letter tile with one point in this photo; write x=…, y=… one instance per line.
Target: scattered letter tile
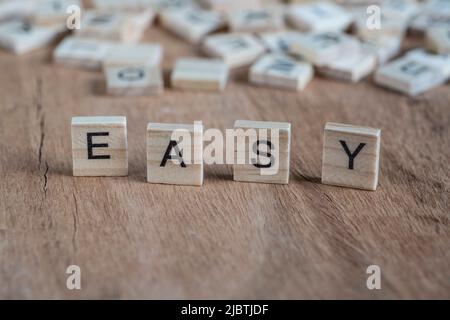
x=281, y=71
x=200, y=73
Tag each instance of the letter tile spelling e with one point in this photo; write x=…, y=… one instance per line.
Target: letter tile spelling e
x=99, y=146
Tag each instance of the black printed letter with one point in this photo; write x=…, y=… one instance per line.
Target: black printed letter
x=268, y=154
x=353, y=155
x=91, y=145
x=172, y=145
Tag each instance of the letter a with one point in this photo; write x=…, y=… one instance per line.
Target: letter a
x=172, y=145
x=74, y=280
x=374, y=280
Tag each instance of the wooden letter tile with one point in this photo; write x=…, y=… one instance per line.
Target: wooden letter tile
x=281, y=71
x=440, y=61
x=21, y=37
x=85, y=53
x=236, y=50
x=391, y=27
x=114, y=26
x=319, y=17
x=175, y=154
x=352, y=67
x=133, y=81
x=162, y=5
x=433, y=14
x=278, y=42
x=322, y=47
x=384, y=47
x=415, y=72
x=351, y=156
x=15, y=9
x=437, y=8
x=120, y=5
x=424, y=22
x=257, y=19
x=191, y=24
x=438, y=40
x=99, y=146
x=104, y=25
x=228, y=6
x=133, y=54
x=262, y=151
x=200, y=73
x=51, y=12
x=400, y=9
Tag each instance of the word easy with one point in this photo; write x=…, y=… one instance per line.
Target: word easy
x=258, y=150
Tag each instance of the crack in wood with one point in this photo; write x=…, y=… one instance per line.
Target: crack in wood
x=75, y=223
x=41, y=119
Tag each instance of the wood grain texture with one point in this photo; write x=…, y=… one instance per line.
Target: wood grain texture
x=226, y=239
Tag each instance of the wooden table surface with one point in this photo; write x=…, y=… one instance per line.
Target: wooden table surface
x=226, y=239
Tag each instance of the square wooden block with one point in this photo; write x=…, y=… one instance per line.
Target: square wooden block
x=21, y=37
x=115, y=26
x=391, y=25
x=227, y=6
x=15, y=9
x=425, y=21
x=437, y=8
x=105, y=25
x=415, y=72
x=85, y=53
x=164, y=5
x=191, y=24
x=319, y=17
x=133, y=81
x=235, y=49
x=400, y=9
x=321, y=48
x=120, y=5
x=99, y=146
x=438, y=40
x=278, y=42
x=133, y=54
x=200, y=73
x=262, y=151
x=351, y=156
x=175, y=154
x=266, y=19
x=384, y=47
x=51, y=12
x=351, y=67
x=281, y=71
x=441, y=61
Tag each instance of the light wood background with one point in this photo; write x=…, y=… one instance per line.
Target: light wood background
x=225, y=239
